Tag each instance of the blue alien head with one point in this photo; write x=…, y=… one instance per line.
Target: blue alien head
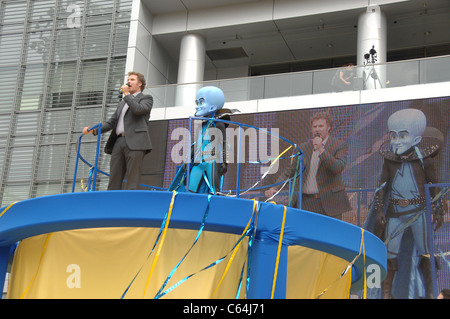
x=209, y=99
x=406, y=128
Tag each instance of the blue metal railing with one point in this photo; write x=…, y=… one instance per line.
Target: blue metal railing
x=94, y=169
x=91, y=185
x=238, y=191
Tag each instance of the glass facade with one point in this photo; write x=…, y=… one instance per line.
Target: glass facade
x=62, y=63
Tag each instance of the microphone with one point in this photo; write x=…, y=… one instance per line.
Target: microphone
x=127, y=84
x=121, y=91
x=317, y=134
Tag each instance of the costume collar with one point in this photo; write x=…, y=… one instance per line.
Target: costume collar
x=411, y=154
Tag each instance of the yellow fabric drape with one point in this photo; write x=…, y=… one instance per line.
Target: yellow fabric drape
x=107, y=259
x=101, y=263
x=311, y=272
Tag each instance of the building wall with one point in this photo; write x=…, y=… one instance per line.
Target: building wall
x=144, y=53
x=62, y=63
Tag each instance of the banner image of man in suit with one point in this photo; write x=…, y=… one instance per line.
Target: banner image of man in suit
x=324, y=160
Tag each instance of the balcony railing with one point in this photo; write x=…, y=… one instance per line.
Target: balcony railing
x=366, y=77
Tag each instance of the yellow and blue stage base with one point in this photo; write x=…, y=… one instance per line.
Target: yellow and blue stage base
x=159, y=244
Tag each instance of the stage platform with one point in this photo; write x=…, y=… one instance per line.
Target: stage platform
x=277, y=246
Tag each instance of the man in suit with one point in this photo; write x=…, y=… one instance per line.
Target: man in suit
x=324, y=159
x=130, y=139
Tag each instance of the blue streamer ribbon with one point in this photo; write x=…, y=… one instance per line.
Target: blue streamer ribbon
x=153, y=248
x=159, y=294
x=240, y=282
x=249, y=230
x=250, y=246
x=249, y=254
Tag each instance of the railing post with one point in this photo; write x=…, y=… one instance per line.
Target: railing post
x=99, y=133
x=189, y=158
x=76, y=164
x=300, y=183
x=238, y=175
x=99, y=126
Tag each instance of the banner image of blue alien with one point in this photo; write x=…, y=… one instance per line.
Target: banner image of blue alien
x=400, y=203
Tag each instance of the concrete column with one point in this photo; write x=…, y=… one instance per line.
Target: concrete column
x=191, y=68
x=372, y=34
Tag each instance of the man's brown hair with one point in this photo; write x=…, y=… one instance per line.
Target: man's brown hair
x=140, y=77
x=323, y=115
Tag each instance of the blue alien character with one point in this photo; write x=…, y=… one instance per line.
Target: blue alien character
x=209, y=148
x=400, y=201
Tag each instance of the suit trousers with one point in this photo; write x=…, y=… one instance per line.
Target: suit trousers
x=125, y=164
x=314, y=205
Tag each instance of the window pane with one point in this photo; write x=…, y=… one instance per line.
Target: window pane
x=33, y=87
x=92, y=82
x=37, y=49
x=63, y=76
x=7, y=87
x=51, y=162
x=67, y=44
x=97, y=41
x=14, y=12
x=4, y=128
x=21, y=164
x=10, y=49
x=48, y=188
x=27, y=123
x=121, y=39
x=56, y=122
x=42, y=10
x=15, y=192
x=87, y=117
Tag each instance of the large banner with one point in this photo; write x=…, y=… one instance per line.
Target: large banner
x=363, y=131
x=363, y=127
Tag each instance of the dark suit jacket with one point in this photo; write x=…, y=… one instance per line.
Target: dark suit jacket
x=136, y=119
x=329, y=175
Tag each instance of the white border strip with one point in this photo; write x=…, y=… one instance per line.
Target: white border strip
x=411, y=92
